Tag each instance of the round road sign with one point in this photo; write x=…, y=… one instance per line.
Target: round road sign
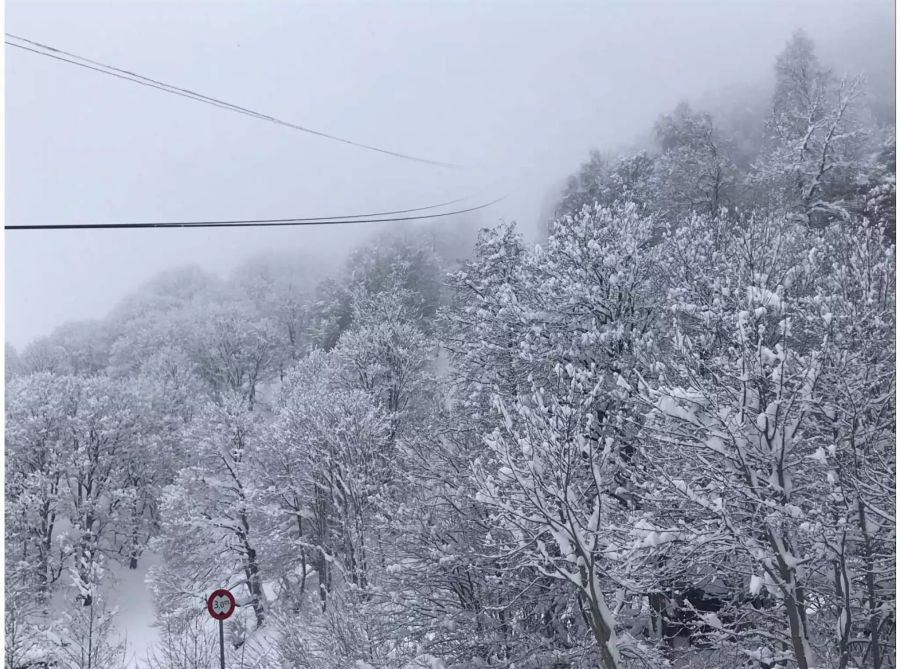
x=220, y=604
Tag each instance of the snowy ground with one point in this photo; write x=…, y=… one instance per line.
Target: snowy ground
x=130, y=594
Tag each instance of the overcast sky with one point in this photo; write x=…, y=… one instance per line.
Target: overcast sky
x=518, y=91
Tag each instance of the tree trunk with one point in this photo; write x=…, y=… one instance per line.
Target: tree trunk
x=871, y=590
x=135, y=536
x=602, y=622
x=794, y=602
x=254, y=584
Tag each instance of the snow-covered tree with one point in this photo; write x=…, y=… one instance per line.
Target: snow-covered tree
x=386, y=355
x=815, y=136
x=235, y=350
x=737, y=441
x=101, y=428
x=694, y=172
x=481, y=329
x=169, y=393
x=609, y=181
x=36, y=463
x=856, y=418
x=558, y=469
x=12, y=362
x=327, y=464
x=184, y=645
x=87, y=638
x=211, y=520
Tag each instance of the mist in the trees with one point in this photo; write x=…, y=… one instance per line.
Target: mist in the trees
x=663, y=436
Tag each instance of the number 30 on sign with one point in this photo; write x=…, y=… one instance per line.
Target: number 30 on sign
x=220, y=604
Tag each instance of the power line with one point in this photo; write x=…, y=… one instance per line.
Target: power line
x=96, y=66
x=258, y=223
x=129, y=75
x=199, y=97
x=322, y=219
x=136, y=80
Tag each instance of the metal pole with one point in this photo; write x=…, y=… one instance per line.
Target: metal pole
x=222, y=644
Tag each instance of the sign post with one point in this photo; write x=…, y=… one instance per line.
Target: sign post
x=221, y=605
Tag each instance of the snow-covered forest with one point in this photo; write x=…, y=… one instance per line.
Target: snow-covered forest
x=661, y=437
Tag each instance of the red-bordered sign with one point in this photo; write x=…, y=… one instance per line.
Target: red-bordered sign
x=220, y=604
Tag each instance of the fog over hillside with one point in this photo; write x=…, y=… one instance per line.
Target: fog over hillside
x=520, y=95
x=461, y=336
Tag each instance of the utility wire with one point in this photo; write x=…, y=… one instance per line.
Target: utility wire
x=322, y=219
x=59, y=54
x=133, y=75
x=258, y=223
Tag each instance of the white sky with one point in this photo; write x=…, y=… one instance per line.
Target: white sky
x=521, y=90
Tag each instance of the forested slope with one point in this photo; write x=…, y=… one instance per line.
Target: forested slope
x=663, y=437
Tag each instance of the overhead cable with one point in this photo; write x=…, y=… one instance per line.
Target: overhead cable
x=250, y=223
x=103, y=68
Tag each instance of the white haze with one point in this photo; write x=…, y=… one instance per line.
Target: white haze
x=519, y=91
